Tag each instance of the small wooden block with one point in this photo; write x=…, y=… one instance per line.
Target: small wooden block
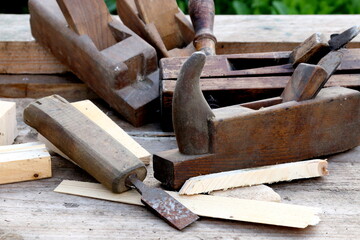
x=8, y=129
x=24, y=162
x=229, y=208
x=290, y=131
x=254, y=176
x=315, y=45
x=98, y=117
x=304, y=83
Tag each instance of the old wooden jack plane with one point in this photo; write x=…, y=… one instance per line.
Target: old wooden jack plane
x=301, y=124
x=114, y=62
x=161, y=23
x=237, y=78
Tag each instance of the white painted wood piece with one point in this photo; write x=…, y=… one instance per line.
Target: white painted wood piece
x=8, y=128
x=255, y=176
x=210, y=206
x=24, y=162
x=97, y=116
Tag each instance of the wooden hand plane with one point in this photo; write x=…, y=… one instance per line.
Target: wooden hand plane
x=301, y=124
x=161, y=23
x=237, y=78
x=114, y=62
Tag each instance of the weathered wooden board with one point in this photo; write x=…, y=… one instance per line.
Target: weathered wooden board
x=26, y=206
x=37, y=86
x=236, y=34
x=19, y=53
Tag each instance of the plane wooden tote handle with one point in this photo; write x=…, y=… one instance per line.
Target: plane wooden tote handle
x=202, y=14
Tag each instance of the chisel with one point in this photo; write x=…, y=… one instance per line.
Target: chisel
x=103, y=157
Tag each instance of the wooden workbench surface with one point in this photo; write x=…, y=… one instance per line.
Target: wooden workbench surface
x=31, y=210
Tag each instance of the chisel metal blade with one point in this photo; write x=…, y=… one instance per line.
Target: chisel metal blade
x=338, y=41
x=167, y=207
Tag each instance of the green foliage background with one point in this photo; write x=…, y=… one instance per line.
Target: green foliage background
x=283, y=6
x=239, y=6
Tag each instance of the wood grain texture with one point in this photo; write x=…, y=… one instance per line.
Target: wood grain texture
x=79, y=138
x=161, y=23
x=8, y=129
x=259, y=192
x=37, y=86
x=314, y=125
x=304, y=83
x=211, y=206
x=254, y=176
x=21, y=54
x=309, y=50
x=249, y=64
x=89, y=19
x=242, y=78
x=26, y=206
x=127, y=70
x=24, y=162
x=202, y=15
x=90, y=110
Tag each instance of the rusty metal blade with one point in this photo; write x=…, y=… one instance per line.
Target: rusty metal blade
x=338, y=41
x=168, y=208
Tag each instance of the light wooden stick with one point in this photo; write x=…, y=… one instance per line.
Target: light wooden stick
x=210, y=206
x=255, y=176
x=8, y=130
x=97, y=116
x=24, y=162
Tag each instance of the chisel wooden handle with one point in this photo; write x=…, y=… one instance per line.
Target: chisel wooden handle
x=83, y=141
x=202, y=14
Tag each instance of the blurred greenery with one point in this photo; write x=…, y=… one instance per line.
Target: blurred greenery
x=239, y=6
x=283, y=6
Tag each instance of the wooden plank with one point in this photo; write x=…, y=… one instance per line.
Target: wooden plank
x=8, y=130
x=19, y=53
x=250, y=65
x=210, y=206
x=266, y=33
x=26, y=206
x=91, y=111
x=37, y=86
x=254, y=176
x=24, y=162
